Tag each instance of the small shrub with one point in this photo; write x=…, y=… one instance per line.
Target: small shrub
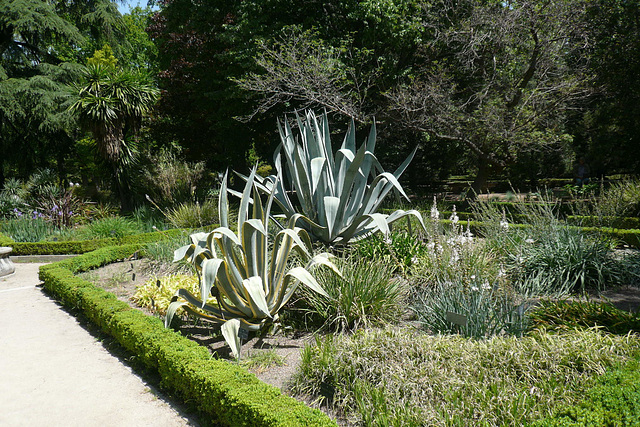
x=193, y=215
x=148, y=219
x=163, y=250
x=566, y=261
x=60, y=208
x=169, y=180
x=453, y=255
x=546, y=256
x=401, y=247
x=619, y=200
x=110, y=227
x=477, y=310
x=613, y=401
x=366, y=294
x=13, y=197
x=156, y=293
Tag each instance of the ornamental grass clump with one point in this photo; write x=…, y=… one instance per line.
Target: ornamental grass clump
x=402, y=377
x=365, y=294
x=547, y=257
x=335, y=196
x=249, y=278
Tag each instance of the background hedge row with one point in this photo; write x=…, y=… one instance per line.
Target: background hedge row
x=84, y=246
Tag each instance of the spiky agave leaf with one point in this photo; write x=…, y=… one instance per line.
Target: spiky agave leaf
x=250, y=282
x=336, y=196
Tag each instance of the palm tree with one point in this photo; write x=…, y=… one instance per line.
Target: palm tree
x=111, y=104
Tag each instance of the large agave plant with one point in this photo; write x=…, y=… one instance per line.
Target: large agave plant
x=337, y=194
x=248, y=279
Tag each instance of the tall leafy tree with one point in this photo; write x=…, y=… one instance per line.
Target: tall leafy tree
x=607, y=129
x=41, y=43
x=111, y=104
x=489, y=79
x=204, y=47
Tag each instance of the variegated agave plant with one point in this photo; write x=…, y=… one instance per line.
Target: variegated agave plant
x=249, y=280
x=333, y=192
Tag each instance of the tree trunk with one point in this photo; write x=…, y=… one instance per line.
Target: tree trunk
x=123, y=192
x=479, y=185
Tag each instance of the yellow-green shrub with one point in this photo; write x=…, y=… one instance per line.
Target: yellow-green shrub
x=156, y=293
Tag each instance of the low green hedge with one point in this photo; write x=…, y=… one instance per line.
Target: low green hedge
x=627, y=237
x=613, y=401
x=84, y=246
x=222, y=390
x=592, y=221
x=60, y=248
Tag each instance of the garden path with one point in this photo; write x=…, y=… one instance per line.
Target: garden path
x=55, y=373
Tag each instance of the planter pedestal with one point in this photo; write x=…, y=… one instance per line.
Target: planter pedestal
x=6, y=265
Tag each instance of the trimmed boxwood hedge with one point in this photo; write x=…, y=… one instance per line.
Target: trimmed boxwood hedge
x=588, y=221
x=223, y=391
x=84, y=246
x=630, y=237
x=613, y=401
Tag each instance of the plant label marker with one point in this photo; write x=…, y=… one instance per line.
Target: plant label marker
x=456, y=319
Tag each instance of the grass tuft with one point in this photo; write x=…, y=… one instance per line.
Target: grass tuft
x=402, y=377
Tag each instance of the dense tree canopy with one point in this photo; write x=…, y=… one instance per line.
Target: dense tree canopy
x=41, y=43
x=485, y=87
x=498, y=84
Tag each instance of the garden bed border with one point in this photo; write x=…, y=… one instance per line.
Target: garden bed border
x=226, y=392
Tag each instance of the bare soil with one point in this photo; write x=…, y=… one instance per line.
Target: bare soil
x=122, y=279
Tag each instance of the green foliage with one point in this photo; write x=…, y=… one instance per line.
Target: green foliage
x=57, y=248
x=80, y=247
x=193, y=214
x=226, y=393
x=115, y=226
x=567, y=261
x=167, y=180
x=476, y=310
x=546, y=256
x=156, y=293
x=562, y=315
x=632, y=223
x=402, y=247
x=110, y=102
x=25, y=229
x=42, y=46
x=103, y=57
x=249, y=277
x=365, y=295
x=13, y=197
x=613, y=401
x=140, y=52
x=401, y=377
x=451, y=254
x=5, y=240
x=621, y=199
x=334, y=196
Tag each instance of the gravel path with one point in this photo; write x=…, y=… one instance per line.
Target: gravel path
x=55, y=373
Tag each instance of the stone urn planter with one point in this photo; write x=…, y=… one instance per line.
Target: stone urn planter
x=6, y=265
